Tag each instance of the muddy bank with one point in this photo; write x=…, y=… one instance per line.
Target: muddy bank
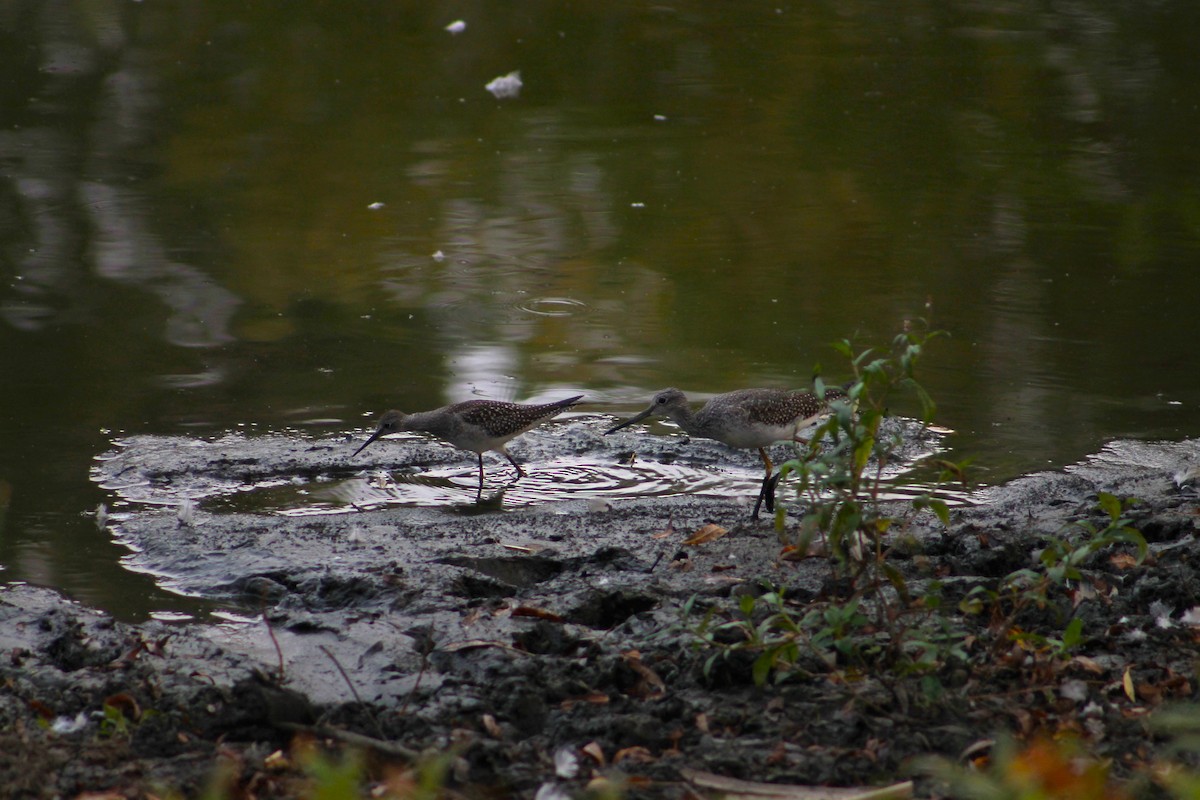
x=565, y=629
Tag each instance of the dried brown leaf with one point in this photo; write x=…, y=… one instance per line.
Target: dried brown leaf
x=536, y=613
x=634, y=755
x=126, y=704
x=1123, y=560
x=594, y=699
x=1088, y=665
x=595, y=752
x=665, y=532
x=648, y=686
x=707, y=533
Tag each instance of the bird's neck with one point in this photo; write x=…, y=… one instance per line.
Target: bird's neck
x=684, y=417
x=418, y=421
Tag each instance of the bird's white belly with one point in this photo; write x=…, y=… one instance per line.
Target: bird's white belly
x=759, y=437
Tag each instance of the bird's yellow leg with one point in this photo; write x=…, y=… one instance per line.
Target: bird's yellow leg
x=766, y=459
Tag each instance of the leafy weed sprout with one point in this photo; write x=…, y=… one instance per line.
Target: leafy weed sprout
x=871, y=618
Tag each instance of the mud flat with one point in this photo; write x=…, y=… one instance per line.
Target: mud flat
x=555, y=641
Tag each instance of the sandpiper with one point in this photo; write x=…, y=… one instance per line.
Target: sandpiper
x=744, y=419
x=476, y=425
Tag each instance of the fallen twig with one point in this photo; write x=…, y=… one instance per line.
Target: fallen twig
x=356, y=739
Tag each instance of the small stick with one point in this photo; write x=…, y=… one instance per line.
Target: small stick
x=353, y=691
x=356, y=739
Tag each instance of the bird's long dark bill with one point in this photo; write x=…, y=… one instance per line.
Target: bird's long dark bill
x=630, y=421
x=374, y=436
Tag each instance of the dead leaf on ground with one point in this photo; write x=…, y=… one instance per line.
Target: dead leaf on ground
x=41, y=709
x=815, y=549
x=1123, y=560
x=649, y=686
x=594, y=699
x=126, y=704
x=721, y=579
x=708, y=533
x=978, y=753
x=529, y=548
x=595, y=751
x=492, y=727
x=474, y=644
x=634, y=755
x=1088, y=665
x=665, y=532
x=605, y=786
x=537, y=613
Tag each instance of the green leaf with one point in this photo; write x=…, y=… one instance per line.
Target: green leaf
x=971, y=605
x=1110, y=505
x=1073, y=635
x=895, y=577
x=762, y=668
x=942, y=511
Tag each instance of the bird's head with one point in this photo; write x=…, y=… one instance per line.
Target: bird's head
x=391, y=422
x=662, y=404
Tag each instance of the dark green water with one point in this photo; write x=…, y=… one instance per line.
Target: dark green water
x=699, y=195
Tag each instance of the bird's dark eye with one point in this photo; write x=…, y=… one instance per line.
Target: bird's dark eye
x=661, y=400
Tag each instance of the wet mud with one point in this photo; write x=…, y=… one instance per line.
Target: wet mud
x=545, y=643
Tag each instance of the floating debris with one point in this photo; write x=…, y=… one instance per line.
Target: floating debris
x=186, y=513
x=65, y=724
x=506, y=86
x=376, y=206
x=566, y=762
x=439, y=256
x=1186, y=476
x=456, y=27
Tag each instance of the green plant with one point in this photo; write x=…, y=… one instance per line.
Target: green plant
x=1039, y=587
x=874, y=618
x=333, y=779
x=842, y=478
x=835, y=636
x=842, y=472
x=113, y=723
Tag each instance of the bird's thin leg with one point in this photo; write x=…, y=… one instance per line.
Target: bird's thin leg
x=479, y=494
x=766, y=493
x=513, y=461
x=762, y=494
x=766, y=459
